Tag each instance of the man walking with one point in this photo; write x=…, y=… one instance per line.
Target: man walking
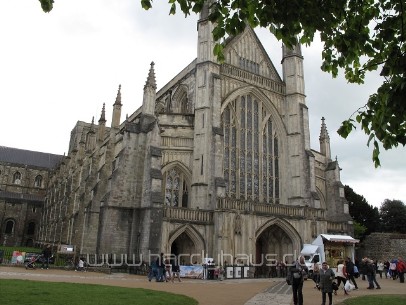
x=349, y=266
x=296, y=273
x=46, y=255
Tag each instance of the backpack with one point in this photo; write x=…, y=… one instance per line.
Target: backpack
x=356, y=271
x=297, y=273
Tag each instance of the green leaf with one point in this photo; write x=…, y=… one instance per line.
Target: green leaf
x=47, y=5
x=146, y=4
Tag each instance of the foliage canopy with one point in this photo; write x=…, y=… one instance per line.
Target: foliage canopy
x=358, y=36
x=366, y=217
x=393, y=216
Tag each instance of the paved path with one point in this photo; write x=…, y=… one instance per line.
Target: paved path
x=227, y=292
x=277, y=294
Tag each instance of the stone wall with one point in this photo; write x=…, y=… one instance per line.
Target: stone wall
x=382, y=246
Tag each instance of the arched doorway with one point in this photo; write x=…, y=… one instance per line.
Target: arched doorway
x=276, y=244
x=188, y=246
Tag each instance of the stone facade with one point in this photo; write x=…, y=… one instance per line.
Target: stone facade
x=217, y=162
x=383, y=246
x=23, y=181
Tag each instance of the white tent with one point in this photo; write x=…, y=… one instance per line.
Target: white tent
x=334, y=238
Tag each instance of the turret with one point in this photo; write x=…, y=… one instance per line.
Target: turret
x=292, y=63
x=115, y=122
x=324, y=139
x=91, y=138
x=148, y=102
x=205, y=43
x=102, y=125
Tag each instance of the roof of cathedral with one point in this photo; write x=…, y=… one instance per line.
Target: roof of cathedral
x=28, y=157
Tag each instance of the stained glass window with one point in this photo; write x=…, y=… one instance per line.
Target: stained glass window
x=176, y=190
x=251, y=168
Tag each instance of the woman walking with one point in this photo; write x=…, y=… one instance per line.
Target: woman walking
x=341, y=275
x=325, y=284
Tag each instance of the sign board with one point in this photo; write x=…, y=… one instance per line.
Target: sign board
x=195, y=271
x=66, y=249
x=18, y=257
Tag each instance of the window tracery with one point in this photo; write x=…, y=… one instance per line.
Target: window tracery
x=176, y=188
x=251, y=168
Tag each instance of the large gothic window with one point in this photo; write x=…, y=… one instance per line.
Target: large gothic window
x=176, y=189
x=251, y=165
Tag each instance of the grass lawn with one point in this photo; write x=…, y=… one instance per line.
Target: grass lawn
x=17, y=292
x=376, y=300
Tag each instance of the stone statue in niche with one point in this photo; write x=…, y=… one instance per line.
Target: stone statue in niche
x=237, y=224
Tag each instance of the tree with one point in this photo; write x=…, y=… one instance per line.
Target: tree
x=393, y=216
x=359, y=230
x=363, y=214
x=358, y=36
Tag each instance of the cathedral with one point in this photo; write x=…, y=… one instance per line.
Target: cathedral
x=215, y=163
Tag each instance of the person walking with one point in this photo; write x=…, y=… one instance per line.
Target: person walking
x=380, y=268
x=46, y=255
x=296, y=275
x=374, y=276
x=386, y=264
x=316, y=273
x=175, y=269
x=153, y=271
x=349, y=266
x=371, y=275
x=393, y=269
x=325, y=284
x=363, y=268
x=161, y=268
x=168, y=267
x=401, y=269
x=341, y=275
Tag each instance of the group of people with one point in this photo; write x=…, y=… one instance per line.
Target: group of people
x=394, y=269
x=324, y=278
x=164, y=269
x=328, y=280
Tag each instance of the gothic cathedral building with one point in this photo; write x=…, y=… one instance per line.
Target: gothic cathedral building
x=218, y=161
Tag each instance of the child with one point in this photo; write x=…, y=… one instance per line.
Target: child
x=81, y=265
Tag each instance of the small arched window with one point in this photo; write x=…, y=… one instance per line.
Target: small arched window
x=9, y=227
x=17, y=178
x=38, y=181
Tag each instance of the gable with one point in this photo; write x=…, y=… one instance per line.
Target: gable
x=246, y=52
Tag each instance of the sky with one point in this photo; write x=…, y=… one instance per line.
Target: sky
x=60, y=67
